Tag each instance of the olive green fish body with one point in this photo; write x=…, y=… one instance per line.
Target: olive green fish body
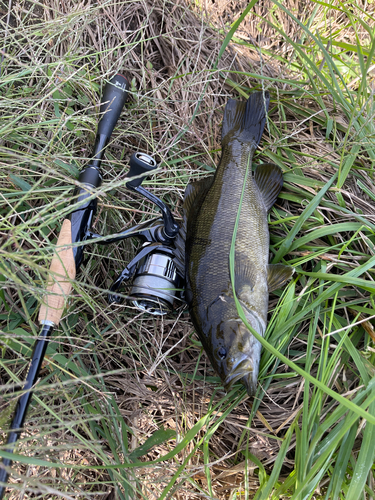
x=211, y=207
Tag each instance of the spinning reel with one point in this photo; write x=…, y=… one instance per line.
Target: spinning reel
x=156, y=282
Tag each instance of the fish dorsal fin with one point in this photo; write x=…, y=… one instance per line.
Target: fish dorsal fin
x=194, y=195
x=269, y=179
x=245, y=274
x=245, y=120
x=278, y=274
x=179, y=252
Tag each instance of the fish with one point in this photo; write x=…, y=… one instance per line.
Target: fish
x=210, y=210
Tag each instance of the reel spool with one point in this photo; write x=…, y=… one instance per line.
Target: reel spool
x=155, y=284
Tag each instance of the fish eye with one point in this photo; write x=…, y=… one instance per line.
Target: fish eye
x=222, y=352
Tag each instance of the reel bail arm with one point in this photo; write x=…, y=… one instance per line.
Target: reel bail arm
x=140, y=165
x=156, y=282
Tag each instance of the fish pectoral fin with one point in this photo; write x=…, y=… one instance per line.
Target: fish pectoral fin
x=269, y=179
x=278, y=274
x=245, y=120
x=245, y=274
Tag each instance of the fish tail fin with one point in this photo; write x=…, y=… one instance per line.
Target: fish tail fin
x=245, y=121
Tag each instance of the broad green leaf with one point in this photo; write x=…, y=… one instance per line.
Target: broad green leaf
x=325, y=231
x=21, y=183
x=68, y=167
x=157, y=438
x=346, y=279
x=341, y=464
x=265, y=492
x=349, y=160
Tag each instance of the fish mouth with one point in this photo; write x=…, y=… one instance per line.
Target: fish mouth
x=243, y=368
x=250, y=382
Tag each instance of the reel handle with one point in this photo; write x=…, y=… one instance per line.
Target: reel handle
x=140, y=164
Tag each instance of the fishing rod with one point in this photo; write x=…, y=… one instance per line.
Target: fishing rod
x=154, y=277
x=68, y=256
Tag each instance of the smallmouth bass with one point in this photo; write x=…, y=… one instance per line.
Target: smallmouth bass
x=210, y=211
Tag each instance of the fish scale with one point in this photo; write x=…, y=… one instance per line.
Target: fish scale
x=215, y=225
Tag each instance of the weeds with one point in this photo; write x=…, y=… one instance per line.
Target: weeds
x=128, y=406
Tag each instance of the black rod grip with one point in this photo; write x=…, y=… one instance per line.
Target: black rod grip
x=114, y=97
x=23, y=402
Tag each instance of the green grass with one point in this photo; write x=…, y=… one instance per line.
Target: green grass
x=128, y=403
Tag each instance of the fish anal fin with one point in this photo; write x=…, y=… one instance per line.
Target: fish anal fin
x=269, y=179
x=278, y=274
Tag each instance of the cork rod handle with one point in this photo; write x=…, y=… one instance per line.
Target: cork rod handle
x=61, y=274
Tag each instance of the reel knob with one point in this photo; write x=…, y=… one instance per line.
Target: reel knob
x=140, y=164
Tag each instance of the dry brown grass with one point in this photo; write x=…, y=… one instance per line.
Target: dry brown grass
x=168, y=50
